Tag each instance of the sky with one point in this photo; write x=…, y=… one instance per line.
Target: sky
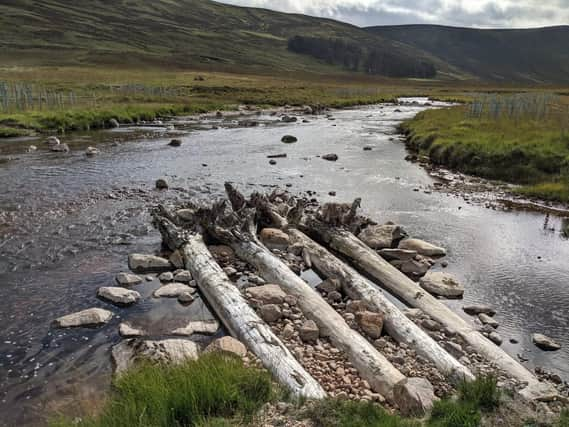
x=466, y=13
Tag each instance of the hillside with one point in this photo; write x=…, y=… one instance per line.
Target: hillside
x=529, y=56
x=178, y=33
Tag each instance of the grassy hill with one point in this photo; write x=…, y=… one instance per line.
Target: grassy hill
x=173, y=33
x=529, y=56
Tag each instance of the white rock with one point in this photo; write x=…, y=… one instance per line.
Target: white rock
x=545, y=343
x=267, y=294
x=274, y=238
x=128, y=279
x=167, y=276
x=487, y=320
x=118, y=295
x=172, y=290
x=382, y=236
x=148, y=263
x=127, y=331
x=89, y=317
x=208, y=327
x=422, y=247
x=414, y=396
x=91, y=151
x=183, y=277
x=227, y=345
x=169, y=351
x=441, y=284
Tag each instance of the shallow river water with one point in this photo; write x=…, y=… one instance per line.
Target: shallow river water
x=67, y=224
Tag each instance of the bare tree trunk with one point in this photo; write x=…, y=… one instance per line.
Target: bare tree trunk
x=237, y=316
x=401, y=286
x=396, y=323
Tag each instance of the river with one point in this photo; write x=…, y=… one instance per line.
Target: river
x=68, y=222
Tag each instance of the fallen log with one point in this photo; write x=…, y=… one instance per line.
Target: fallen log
x=238, y=231
x=395, y=282
x=236, y=314
x=397, y=325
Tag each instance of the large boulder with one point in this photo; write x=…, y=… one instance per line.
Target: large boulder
x=309, y=331
x=142, y=263
x=173, y=290
x=89, y=317
x=267, y=294
x=204, y=327
x=371, y=323
x=128, y=279
x=422, y=247
x=545, y=343
x=273, y=238
x=382, y=236
x=414, y=396
x=441, y=284
x=169, y=351
x=117, y=295
x=227, y=345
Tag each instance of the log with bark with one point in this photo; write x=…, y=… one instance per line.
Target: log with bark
x=396, y=324
x=237, y=229
x=234, y=311
x=399, y=285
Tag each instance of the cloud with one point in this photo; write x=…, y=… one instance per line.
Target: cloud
x=468, y=13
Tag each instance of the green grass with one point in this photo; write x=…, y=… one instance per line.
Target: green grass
x=564, y=419
x=341, y=413
x=525, y=151
x=208, y=392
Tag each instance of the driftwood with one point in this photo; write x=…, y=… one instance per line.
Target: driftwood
x=236, y=314
x=238, y=231
x=397, y=325
x=395, y=282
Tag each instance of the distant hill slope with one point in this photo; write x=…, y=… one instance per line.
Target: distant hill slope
x=184, y=33
x=530, y=55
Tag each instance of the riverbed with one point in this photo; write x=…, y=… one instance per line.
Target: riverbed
x=68, y=222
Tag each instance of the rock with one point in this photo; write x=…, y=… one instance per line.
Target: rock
x=487, y=320
x=288, y=331
x=277, y=156
x=430, y=325
x=356, y=305
x=441, y=284
x=89, y=317
x=209, y=327
x=120, y=296
x=172, y=290
x=161, y=184
x=545, y=343
x=422, y=247
x=177, y=259
x=169, y=351
x=128, y=279
x=329, y=285
x=273, y=238
x=267, y=294
x=222, y=252
x=288, y=119
x=59, y=148
x=185, y=215
x=414, y=396
x=291, y=300
x=397, y=254
x=91, y=151
x=148, y=263
x=272, y=162
x=367, y=148
x=52, y=140
x=309, y=331
x=382, y=236
x=335, y=296
x=114, y=123
x=186, y=297
x=230, y=271
x=183, y=276
x=227, y=345
x=371, y=323
x=32, y=148
x=495, y=338
x=127, y=331
x=167, y=276
x=175, y=143
x=330, y=157
x=413, y=267
x=289, y=139
x=270, y=313
x=474, y=310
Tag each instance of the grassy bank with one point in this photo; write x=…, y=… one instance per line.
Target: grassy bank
x=523, y=150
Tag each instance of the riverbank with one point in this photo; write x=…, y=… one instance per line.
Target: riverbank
x=530, y=152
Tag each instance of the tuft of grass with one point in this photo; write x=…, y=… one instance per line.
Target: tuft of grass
x=448, y=413
x=483, y=393
x=341, y=413
x=206, y=392
x=563, y=419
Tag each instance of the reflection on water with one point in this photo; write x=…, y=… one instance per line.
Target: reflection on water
x=67, y=224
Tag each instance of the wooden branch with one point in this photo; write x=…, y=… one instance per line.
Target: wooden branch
x=397, y=325
x=395, y=282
